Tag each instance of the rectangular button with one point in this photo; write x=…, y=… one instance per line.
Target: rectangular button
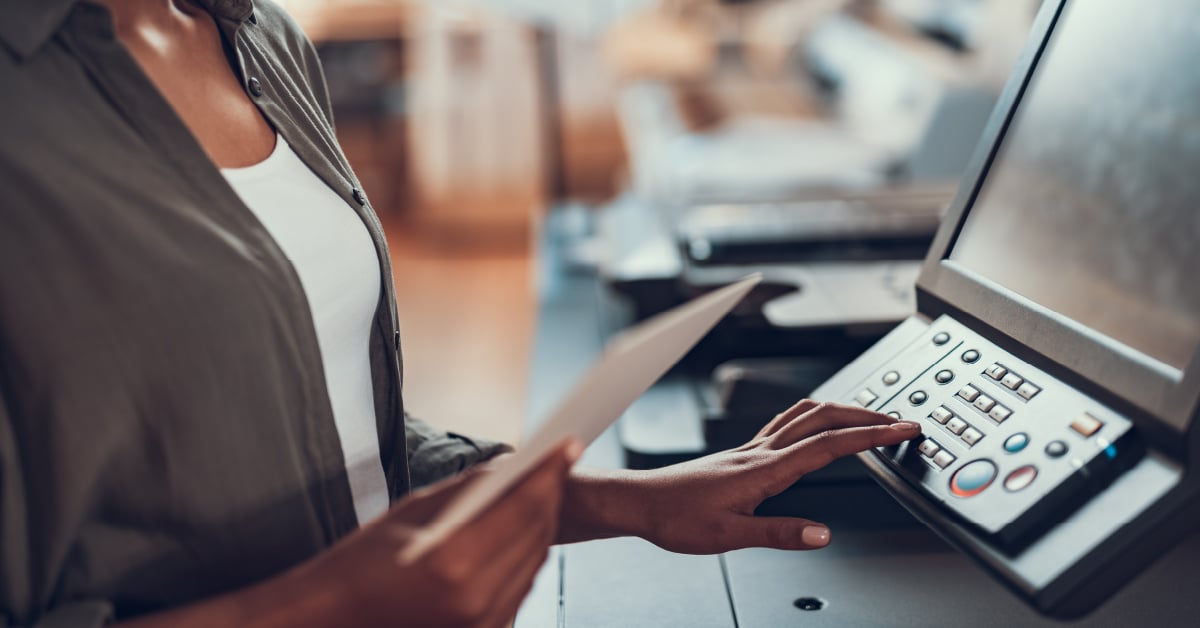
x=929, y=448
x=865, y=398
x=969, y=393
x=1000, y=414
x=956, y=425
x=1028, y=390
x=985, y=403
x=1012, y=381
x=941, y=414
x=972, y=436
x=996, y=371
x=943, y=459
x=1086, y=425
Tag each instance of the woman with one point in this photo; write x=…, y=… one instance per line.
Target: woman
x=199, y=360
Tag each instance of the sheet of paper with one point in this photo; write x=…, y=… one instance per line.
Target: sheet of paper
x=631, y=363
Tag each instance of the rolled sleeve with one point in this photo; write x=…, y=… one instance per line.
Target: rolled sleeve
x=434, y=454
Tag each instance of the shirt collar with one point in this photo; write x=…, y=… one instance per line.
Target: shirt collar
x=28, y=24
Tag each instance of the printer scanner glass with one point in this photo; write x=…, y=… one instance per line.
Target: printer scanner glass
x=1091, y=207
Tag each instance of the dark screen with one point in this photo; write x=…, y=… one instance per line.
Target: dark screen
x=1092, y=206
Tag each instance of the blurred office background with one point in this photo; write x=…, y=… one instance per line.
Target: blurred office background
x=476, y=124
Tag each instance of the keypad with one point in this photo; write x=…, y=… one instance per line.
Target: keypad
x=986, y=423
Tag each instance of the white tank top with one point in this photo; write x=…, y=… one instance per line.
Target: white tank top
x=332, y=253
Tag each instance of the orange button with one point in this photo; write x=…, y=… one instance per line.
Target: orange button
x=1086, y=425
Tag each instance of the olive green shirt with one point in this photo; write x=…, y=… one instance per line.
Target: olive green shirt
x=165, y=430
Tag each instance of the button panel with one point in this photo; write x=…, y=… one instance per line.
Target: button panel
x=983, y=419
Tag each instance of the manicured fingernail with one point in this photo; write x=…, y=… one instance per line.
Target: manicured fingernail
x=815, y=536
x=906, y=426
x=574, y=451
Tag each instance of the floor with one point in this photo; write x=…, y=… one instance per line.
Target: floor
x=466, y=324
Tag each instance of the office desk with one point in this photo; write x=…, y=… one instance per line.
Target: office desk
x=875, y=573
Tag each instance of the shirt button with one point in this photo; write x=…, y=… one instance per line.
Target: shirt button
x=359, y=197
x=255, y=87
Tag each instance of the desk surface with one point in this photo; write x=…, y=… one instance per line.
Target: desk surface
x=871, y=575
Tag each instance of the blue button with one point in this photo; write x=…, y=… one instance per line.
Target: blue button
x=1016, y=442
x=972, y=478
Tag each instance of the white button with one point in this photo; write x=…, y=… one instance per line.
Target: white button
x=956, y=425
x=1028, y=390
x=928, y=448
x=985, y=403
x=891, y=377
x=1000, y=414
x=943, y=459
x=1012, y=381
x=969, y=393
x=865, y=398
x=941, y=414
x=996, y=371
x=972, y=436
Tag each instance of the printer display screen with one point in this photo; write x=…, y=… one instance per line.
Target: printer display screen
x=1092, y=205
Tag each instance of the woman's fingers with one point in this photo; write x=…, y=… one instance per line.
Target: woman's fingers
x=817, y=451
x=824, y=417
x=786, y=417
x=517, y=586
x=786, y=533
x=532, y=502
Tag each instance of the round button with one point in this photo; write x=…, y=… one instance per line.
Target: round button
x=1056, y=449
x=941, y=338
x=918, y=397
x=255, y=86
x=970, y=357
x=1016, y=442
x=891, y=377
x=944, y=377
x=894, y=415
x=972, y=478
x=1020, y=478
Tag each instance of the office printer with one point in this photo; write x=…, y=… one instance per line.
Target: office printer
x=1054, y=360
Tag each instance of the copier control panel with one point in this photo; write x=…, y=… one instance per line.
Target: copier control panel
x=1005, y=446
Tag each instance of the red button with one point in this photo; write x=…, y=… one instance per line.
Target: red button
x=1020, y=478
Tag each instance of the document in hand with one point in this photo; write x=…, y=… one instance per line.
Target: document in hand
x=631, y=363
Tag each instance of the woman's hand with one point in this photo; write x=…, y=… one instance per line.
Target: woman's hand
x=707, y=505
x=477, y=576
